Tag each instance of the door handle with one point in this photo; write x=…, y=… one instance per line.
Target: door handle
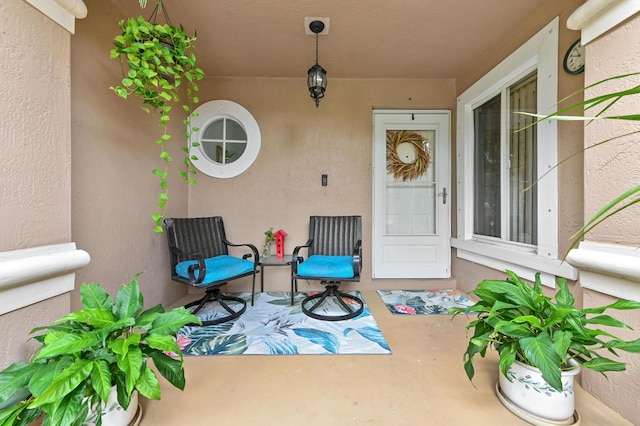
x=444, y=195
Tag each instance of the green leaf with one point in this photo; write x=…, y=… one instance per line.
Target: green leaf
x=170, y=322
x=631, y=346
x=602, y=364
x=101, y=379
x=15, y=378
x=97, y=318
x=71, y=409
x=163, y=343
x=170, y=368
x=131, y=364
x=129, y=300
x=541, y=353
x=606, y=320
x=46, y=374
x=148, y=385
x=513, y=330
x=70, y=343
x=93, y=296
x=66, y=382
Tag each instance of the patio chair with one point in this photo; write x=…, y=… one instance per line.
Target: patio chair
x=199, y=256
x=334, y=252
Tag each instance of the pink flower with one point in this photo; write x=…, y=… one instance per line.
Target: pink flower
x=404, y=309
x=183, y=341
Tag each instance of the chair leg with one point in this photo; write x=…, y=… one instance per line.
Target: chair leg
x=331, y=290
x=214, y=295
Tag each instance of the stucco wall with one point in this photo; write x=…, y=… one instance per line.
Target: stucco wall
x=609, y=171
x=114, y=152
x=35, y=180
x=299, y=143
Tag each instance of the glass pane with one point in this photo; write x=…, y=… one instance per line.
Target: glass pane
x=213, y=150
x=235, y=131
x=487, y=215
x=234, y=151
x=523, y=164
x=215, y=130
x=410, y=183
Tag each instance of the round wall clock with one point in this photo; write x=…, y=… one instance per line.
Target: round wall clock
x=574, y=59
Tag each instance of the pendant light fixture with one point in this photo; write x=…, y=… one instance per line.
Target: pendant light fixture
x=316, y=76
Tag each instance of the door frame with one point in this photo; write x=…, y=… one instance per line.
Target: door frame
x=442, y=180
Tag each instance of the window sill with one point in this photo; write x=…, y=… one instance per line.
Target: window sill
x=525, y=264
x=63, y=12
x=31, y=275
x=608, y=269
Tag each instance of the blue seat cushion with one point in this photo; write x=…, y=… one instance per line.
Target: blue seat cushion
x=327, y=267
x=219, y=268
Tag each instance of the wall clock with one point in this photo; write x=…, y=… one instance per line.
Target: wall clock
x=574, y=59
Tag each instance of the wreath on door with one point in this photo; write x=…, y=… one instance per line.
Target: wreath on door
x=401, y=165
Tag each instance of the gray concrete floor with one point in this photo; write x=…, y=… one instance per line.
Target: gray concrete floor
x=421, y=383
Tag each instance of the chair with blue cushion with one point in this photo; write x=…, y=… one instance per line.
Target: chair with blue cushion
x=199, y=255
x=334, y=254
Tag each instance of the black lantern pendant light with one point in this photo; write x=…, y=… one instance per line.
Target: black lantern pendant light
x=317, y=76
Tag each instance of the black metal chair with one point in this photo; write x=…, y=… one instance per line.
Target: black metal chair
x=199, y=255
x=334, y=252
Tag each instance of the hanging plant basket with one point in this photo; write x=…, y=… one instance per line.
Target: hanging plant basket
x=157, y=59
x=403, y=167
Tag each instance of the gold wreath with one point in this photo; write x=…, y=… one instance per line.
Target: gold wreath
x=400, y=169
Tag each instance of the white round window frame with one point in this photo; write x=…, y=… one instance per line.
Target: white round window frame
x=212, y=111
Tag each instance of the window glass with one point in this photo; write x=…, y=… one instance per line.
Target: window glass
x=505, y=207
x=487, y=192
x=228, y=139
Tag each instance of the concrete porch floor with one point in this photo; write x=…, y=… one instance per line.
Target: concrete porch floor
x=421, y=383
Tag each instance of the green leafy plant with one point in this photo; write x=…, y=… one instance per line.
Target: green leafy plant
x=85, y=353
x=156, y=60
x=523, y=324
x=268, y=239
x=591, y=109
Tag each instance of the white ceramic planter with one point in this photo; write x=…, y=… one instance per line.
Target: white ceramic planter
x=113, y=414
x=529, y=392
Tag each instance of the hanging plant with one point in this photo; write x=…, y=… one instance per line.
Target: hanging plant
x=402, y=168
x=156, y=59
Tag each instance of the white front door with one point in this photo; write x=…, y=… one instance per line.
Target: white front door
x=411, y=196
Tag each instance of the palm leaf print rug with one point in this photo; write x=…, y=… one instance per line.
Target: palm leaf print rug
x=273, y=327
x=423, y=302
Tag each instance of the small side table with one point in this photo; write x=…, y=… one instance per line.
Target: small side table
x=272, y=261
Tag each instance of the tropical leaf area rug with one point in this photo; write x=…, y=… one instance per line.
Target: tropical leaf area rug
x=423, y=302
x=273, y=327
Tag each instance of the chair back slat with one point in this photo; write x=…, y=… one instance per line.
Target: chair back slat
x=334, y=235
x=202, y=235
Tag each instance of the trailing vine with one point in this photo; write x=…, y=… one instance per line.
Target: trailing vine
x=156, y=60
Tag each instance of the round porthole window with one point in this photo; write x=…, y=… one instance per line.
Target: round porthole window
x=228, y=137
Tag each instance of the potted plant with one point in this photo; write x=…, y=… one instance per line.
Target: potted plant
x=88, y=353
x=156, y=61
x=550, y=334
x=269, y=238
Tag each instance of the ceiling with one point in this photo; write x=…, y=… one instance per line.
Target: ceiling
x=366, y=39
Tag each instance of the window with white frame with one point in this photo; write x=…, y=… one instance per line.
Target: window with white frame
x=507, y=218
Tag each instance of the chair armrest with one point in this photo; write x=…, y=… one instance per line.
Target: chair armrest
x=202, y=269
x=254, y=252
x=296, y=258
x=357, y=258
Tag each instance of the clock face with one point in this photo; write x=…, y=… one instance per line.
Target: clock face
x=574, y=59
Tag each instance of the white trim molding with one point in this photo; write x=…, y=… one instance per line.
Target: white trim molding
x=32, y=275
x=596, y=17
x=608, y=269
x=63, y=12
